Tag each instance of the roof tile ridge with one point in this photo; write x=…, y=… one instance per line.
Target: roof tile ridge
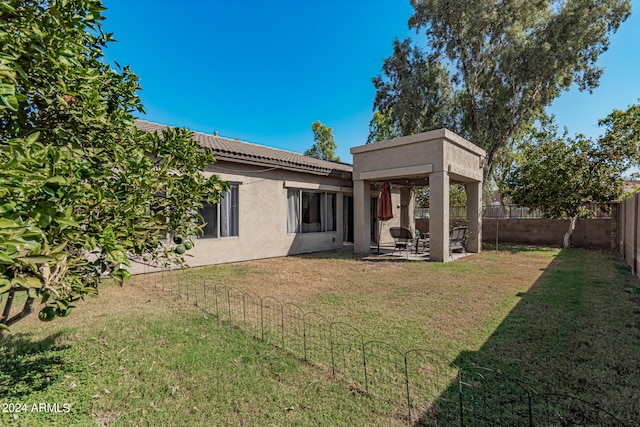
x=208, y=135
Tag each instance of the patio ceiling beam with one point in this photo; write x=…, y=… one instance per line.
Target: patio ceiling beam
x=387, y=174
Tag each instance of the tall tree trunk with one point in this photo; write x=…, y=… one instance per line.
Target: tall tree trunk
x=567, y=237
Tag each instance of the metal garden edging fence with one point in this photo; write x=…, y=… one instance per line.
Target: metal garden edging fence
x=422, y=387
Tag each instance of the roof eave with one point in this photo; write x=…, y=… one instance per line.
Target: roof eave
x=275, y=164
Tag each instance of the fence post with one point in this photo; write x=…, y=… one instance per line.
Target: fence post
x=622, y=229
x=244, y=311
x=364, y=363
x=215, y=296
x=204, y=293
x=229, y=307
x=406, y=379
x=282, y=323
x=333, y=363
x=461, y=405
x=262, y=319
x=304, y=336
x=635, y=235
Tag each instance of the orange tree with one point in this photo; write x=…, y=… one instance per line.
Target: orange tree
x=82, y=191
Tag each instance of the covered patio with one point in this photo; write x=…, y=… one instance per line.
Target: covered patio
x=386, y=252
x=434, y=159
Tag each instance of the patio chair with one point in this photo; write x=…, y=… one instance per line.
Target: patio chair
x=456, y=240
x=422, y=239
x=403, y=239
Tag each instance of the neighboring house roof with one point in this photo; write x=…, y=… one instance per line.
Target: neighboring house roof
x=631, y=186
x=243, y=152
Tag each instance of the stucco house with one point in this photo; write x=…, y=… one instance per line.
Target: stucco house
x=283, y=203
x=280, y=203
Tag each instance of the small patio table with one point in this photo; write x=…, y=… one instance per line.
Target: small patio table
x=424, y=240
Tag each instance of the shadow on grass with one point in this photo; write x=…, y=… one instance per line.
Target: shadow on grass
x=567, y=353
x=26, y=364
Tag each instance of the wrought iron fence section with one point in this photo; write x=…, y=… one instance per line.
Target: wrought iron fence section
x=272, y=321
x=564, y=410
x=317, y=339
x=429, y=376
x=347, y=360
x=294, y=330
x=422, y=387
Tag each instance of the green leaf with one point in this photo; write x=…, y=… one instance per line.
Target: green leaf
x=7, y=89
x=36, y=259
x=6, y=259
x=67, y=222
x=57, y=180
x=58, y=249
x=9, y=101
x=5, y=285
x=49, y=191
x=32, y=138
x=45, y=298
x=5, y=7
x=27, y=282
x=43, y=219
x=4, y=208
x=62, y=304
x=8, y=223
x=21, y=72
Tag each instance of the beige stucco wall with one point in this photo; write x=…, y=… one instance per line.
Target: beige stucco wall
x=385, y=226
x=263, y=217
x=420, y=154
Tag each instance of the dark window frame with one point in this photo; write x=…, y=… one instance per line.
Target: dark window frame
x=315, y=211
x=222, y=220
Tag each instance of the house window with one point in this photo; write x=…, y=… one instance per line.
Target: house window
x=310, y=211
x=221, y=220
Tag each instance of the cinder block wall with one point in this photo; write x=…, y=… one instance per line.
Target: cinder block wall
x=589, y=233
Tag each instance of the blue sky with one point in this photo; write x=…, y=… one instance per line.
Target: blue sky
x=263, y=72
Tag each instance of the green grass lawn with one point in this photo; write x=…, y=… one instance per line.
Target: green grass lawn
x=567, y=321
x=156, y=360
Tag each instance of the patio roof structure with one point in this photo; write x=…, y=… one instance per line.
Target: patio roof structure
x=435, y=159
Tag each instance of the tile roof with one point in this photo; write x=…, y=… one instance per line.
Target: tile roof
x=244, y=152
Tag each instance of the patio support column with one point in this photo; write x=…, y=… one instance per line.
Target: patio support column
x=405, y=208
x=474, y=216
x=361, y=217
x=439, y=216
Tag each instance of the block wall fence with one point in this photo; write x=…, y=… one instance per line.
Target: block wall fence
x=628, y=241
x=598, y=233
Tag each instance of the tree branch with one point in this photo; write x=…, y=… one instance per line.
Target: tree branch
x=7, y=306
x=26, y=310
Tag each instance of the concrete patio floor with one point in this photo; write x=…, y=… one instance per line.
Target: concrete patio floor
x=387, y=253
